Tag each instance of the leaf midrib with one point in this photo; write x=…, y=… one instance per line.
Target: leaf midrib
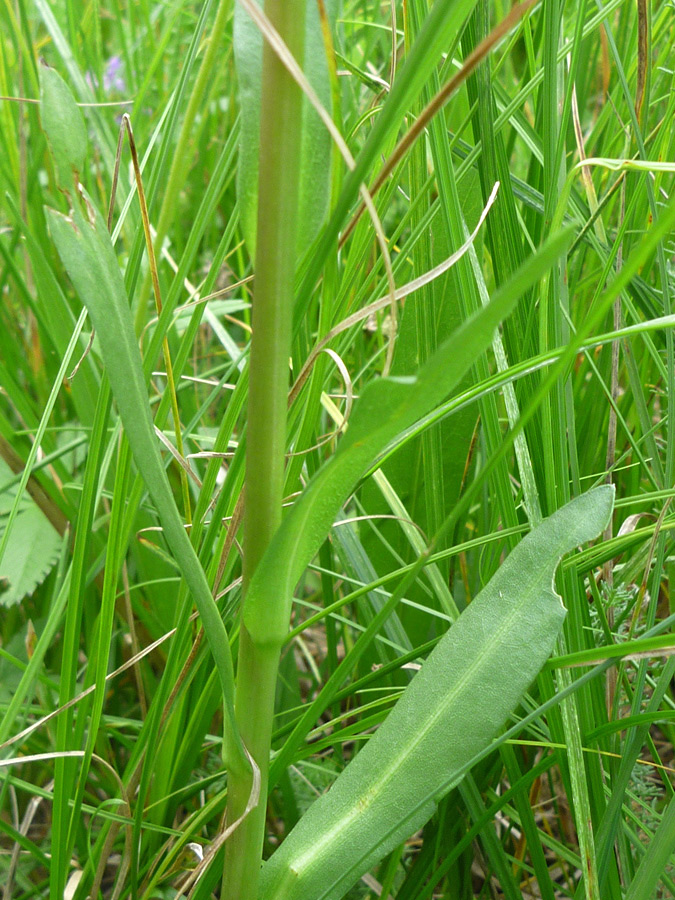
x=328, y=837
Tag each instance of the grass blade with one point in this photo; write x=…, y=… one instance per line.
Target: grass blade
x=84, y=246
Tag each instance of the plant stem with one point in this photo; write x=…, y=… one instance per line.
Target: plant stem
x=280, y=137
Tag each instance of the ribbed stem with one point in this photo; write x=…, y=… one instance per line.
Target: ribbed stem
x=279, y=169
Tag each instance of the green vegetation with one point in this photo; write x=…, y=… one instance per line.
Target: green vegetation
x=336, y=455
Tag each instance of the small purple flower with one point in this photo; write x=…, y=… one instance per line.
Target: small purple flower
x=113, y=80
x=112, y=76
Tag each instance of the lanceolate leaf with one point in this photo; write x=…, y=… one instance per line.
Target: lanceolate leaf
x=63, y=125
x=85, y=249
x=386, y=408
x=316, y=150
x=451, y=711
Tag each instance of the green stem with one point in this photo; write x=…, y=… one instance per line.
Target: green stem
x=280, y=137
x=256, y=689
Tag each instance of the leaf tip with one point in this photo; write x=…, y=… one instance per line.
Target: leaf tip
x=63, y=125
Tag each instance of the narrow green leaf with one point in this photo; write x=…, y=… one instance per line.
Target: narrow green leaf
x=87, y=254
x=386, y=408
x=63, y=125
x=316, y=149
x=451, y=711
x=438, y=33
x=656, y=860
